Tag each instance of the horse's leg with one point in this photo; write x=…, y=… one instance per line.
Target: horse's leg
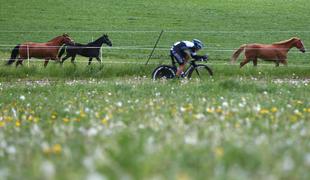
x=98, y=59
x=284, y=62
x=245, y=61
x=46, y=62
x=64, y=58
x=277, y=63
x=89, y=61
x=19, y=61
x=72, y=59
x=255, y=62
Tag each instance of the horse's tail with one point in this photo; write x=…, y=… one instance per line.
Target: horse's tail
x=14, y=54
x=237, y=53
x=62, y=51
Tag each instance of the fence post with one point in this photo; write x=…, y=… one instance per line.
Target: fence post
x=161, y=33
x=28, y=59
x=101, y=54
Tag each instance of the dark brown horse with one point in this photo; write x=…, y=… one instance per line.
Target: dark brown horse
x=47, y=51
x=276, y=52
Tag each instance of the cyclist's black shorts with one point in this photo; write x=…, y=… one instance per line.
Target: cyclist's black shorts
x=178, y=56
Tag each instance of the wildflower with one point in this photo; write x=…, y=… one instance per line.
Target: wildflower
x=274, y=109
x=288, y=163
x=264, y=111
x=183, y=176
x=293, y=118
x=237, y=125
x=209, y=110
x=119, y=104
x=48, y=169
x=296, y=111
x=104, y=121
x=82, y=114
x=54, y=115
x=97, y=115
x=57, y=148
x=22, y=97
x=17, y=123
x=219, y=110
x=2, y=124
x=30, y=118
x=307, y=110
x=66, y=120
x=219, y=151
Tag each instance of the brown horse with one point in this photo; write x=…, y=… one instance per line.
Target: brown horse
x=47, y=51
x=276, y=52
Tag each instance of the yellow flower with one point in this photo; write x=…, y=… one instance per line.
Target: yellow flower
x=264, y=111
x=219, y=110
x=299, y=102
x=57, y=148
x=8, y=118
x=274, y=109
x=97, y=115
x=66, y=120
x=82, y=114
x=17, y=123
x=54, y=115
x=237, y=125
x=36, y=119
x=30, y=118
x=189, y=107
x=293, y=118
x=209, y=110
x=219, y=151
x=104, y=121
x=308, y=110
x=183, y=176
x=2, y=124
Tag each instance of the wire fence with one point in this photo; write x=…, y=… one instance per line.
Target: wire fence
x=156, y=31
x=140, y=52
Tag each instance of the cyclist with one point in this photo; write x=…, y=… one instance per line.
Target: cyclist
x=183, y=50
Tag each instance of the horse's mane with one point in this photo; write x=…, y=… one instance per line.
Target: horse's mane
x=54, y=38
x=97, y=41
x=286, y=41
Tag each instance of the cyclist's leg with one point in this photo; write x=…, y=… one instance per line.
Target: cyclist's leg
x=180, y=60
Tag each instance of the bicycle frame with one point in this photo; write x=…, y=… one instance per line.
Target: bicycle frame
x=191, y=63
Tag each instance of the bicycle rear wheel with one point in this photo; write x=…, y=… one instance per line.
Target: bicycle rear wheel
x=163, y=72
x=201, y=71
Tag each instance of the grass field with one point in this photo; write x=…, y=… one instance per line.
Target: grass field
x=111, y=121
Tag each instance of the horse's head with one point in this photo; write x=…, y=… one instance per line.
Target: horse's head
x=300, y=45
x=106, y=39
x=67, y=40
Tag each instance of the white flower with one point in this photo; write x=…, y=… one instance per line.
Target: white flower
x=11, y=150
x=307, y=159
x=191, y=139
x=22, y=97
x=95, y=176
x=119, y=104
x=225, y=104
x=288, y=163
x=92, y=132
x=48, y=170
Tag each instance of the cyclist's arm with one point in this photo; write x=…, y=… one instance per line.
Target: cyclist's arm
x=198, y=57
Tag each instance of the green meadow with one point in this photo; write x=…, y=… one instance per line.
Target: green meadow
x=111, y=121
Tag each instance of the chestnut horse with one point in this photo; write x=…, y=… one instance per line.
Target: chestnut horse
x=47, y=51
x=276, y=52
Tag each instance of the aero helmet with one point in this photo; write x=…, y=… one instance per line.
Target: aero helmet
x=198, y=44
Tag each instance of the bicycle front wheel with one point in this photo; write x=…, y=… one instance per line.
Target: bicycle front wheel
x=201, y=71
